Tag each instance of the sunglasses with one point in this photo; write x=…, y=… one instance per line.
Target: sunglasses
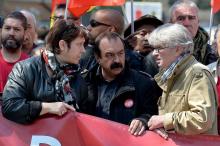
x=95, y=23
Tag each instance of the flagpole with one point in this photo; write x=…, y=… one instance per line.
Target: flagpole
x=210, y=25
x=132, y=17
x=66, y=11
x=123, y=11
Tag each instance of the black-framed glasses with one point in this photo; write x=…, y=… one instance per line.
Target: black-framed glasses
x=95, y=23
x=61, y=17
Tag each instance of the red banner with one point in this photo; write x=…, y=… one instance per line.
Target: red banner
x=75, y=129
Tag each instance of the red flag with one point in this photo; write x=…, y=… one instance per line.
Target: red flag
x=77, y=10
x=79, y=3
x=215, y=5
x=79, y=7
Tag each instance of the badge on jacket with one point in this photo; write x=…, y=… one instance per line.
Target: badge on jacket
x=128, y=103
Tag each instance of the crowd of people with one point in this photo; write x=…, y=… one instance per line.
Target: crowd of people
x=163, y=76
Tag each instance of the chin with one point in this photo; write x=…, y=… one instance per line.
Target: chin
x=117, y=71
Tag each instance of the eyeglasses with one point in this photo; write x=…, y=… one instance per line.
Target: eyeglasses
x=61, y=17
x=158, y=49
x=95, y=23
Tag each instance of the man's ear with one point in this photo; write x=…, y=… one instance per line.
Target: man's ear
x=112, y=29
x=179, y=50
x=97, y=58
x=62, y=45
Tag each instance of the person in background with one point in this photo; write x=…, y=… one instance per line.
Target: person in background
x=138, y=42
x=185, y=12
x=116, y=92
x=31, y=32
x=100, y=21
x=50, y=83
x=60, y=12
x=42, y=33
x=215, y=70
x=188, y=103
x=13, y=34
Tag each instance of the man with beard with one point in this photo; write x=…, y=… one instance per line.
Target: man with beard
x=13, y=31
x=115, y=91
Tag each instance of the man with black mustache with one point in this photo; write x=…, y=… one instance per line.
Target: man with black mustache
x=13, y=31
x=116, y=92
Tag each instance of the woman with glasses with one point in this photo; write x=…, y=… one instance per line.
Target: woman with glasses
x=50, y=83
x=188, y=103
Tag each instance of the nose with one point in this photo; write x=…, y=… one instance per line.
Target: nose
x=89, y=27
x=155, y=53
x=11, y=31
x=186, y=21
x=116, y=58
x=146, y=36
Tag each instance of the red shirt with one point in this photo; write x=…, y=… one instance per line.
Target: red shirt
x=5, y=69
x=218, y=113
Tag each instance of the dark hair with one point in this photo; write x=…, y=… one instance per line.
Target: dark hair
x=1, y=21
x=61, y=6
x=109, y=36
x=19, y=16
x=62, y=30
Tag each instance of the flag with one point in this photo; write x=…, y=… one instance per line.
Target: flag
x=79, y=3
x=77, y=10
x=215, y=4
x=79, y=7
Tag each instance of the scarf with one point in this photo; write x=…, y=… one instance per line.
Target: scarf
x=62, y=74
x=200, y=44
x=169, y=71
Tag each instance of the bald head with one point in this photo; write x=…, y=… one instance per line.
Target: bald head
x=31, y=32
x=31, y=19
x=112, y=17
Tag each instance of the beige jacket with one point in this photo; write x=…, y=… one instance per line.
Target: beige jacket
x=189, y=99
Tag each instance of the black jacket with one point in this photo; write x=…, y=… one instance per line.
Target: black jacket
x=28, y=85
x=145, y=63
x=133, y=85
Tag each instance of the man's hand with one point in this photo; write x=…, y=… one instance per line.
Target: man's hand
x=155, y=122
x=57, y=108
x=137, y=127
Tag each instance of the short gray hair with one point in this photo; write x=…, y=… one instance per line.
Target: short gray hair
x=179, y=3
x=171, y=36
x=26, y=12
